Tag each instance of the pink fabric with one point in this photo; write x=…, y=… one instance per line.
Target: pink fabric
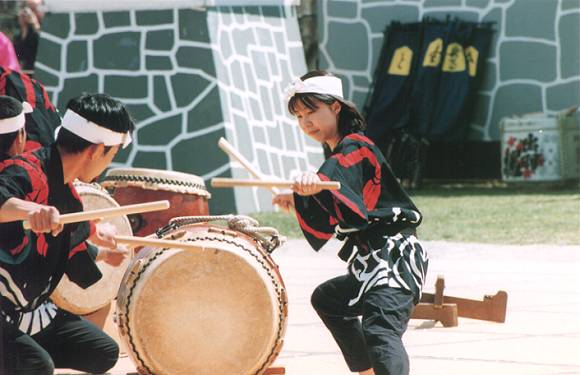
x=8, y=57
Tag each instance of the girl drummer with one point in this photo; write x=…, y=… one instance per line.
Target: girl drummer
x=376, y=219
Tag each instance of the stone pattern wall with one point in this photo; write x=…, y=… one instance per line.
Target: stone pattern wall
x=188, y=77
x=255, y=61
x=533, y=65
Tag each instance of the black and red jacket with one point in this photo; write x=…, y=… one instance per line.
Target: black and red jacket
x=44, y=119
x=31, y=265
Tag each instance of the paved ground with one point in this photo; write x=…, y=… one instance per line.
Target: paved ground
x=540, y=337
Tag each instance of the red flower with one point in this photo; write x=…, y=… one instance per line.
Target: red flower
x=527, y=173
x=520, y=146
x=511, y=141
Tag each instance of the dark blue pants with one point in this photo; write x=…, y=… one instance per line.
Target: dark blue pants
x=375, y=340
x=68, y=342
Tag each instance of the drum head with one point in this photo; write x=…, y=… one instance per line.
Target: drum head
x=207, y=312
x=69, y=295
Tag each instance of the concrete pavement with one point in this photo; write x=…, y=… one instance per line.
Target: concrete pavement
x=541, y=335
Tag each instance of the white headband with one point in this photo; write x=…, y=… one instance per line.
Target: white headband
x=319, y=85
x=92, y=132
x=12, y=124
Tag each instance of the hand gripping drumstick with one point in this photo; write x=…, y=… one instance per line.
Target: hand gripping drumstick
x=109, y=212
x=232, y=182
x=231, y=151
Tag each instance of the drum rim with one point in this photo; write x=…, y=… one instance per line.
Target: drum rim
x=155, y=179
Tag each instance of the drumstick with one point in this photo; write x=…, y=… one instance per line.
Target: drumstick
x=109, y=212
x=231, y=151
x=232, y=182
x=156, y=242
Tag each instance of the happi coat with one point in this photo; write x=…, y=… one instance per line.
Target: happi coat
x=371, y=213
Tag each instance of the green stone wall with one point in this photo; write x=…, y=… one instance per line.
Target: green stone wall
x=189, y=77
x=534, y=61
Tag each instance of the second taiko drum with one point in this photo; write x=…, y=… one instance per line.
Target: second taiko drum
x=185, y=192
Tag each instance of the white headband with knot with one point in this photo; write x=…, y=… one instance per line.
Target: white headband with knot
x=328, y=85
x=92, y=132
x=12, y=124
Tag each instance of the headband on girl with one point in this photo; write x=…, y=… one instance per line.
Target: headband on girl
x=328, y=85
x=92, y=132
x=12, y=124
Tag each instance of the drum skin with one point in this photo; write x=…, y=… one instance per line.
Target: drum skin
x=186, y=193
x=220, y=309
x=70, y=296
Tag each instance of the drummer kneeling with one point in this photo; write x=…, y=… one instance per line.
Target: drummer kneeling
x=36, y=336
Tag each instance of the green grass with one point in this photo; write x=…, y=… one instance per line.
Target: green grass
x=486, y=213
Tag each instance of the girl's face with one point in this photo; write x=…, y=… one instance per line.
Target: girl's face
x=321, y=123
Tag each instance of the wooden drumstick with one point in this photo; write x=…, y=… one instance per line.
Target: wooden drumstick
x=156, y=242
x=231, y=151
x=109, y=212
x=232, y=182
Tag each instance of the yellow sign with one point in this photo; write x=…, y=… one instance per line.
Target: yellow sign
x=433, y=55
x=472, y=54
x=454, y=59
x=401, y=61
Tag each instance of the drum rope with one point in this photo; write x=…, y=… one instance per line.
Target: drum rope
x=280, y=293
x=269, y=237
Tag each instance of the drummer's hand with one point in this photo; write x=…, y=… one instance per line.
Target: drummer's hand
x=44, y=219
x=305, y=184
x=284, y=200
x=104, y=236
x=112, y=257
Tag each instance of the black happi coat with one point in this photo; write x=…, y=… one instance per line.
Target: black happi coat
x=31, y=265
x=372, y=212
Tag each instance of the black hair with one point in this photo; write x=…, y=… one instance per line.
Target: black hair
x=101, y=109
x=9, y=107
x=6, y=141
x=350, y=119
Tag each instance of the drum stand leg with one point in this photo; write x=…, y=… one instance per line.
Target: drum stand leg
x=446, y=309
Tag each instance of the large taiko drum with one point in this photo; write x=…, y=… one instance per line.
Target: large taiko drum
x=70, y=296
x=220, y=309
x=186, y=194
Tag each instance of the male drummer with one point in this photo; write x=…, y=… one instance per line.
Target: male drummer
x=37, y=336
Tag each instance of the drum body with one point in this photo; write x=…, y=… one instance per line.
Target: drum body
x=186, y=194
x=218, y=310
x=70, y=296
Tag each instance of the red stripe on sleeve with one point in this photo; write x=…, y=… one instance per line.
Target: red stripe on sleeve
x=18, y=249
x=360, y=138
x=371, y=194
x=356, y=157
x=47, y=103
x=371, y=191
x=39, y=193
x=312, y=231
x=77, y=249
x=31, y=146
x=3, y=80
x=29, y=88
x=350, y=204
